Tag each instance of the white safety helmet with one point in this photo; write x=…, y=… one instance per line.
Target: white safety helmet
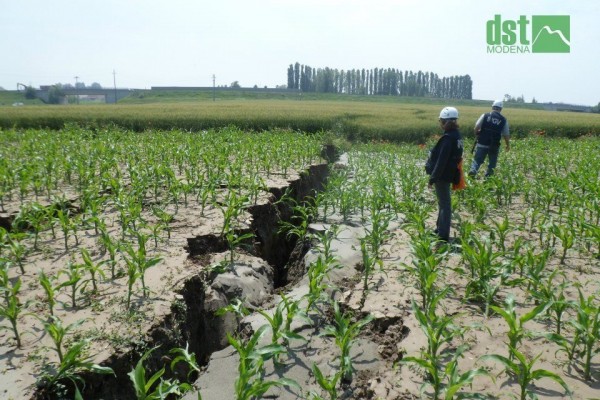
x=449, y=113
x=498, y=103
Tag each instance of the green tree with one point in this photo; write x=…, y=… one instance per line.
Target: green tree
x=30, y=93
x=55, y=94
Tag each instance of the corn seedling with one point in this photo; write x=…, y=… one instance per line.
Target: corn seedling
x=250, y=383
x=12, y=310
x=368, y=265
x=57, y=332
x=75, y=281
x=500, y=230
x=93, y=268
x=236, y=307
x=484, y=271
x=73, y=363
x=51, y=291
x=111, y=247
x=424, y=268
x=522, y=371
x=440, y=331
x=279, y=327
x=329, y=384
x=345, y=333
x=548, y=292
x=536, y=268
x=154, y=387
x=17, y=250
x=183, y=355
x=587, y=330
x=566, y=235
x=297, y=230
x=378, y=235
x=66, y=225
x=317, y=272
x=292, y=310
x=326, y=239
x=447, y=381
x=516, y=328
x=138, y=259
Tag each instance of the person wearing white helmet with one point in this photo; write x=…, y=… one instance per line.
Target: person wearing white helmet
x=442, y=168
x=489, y=129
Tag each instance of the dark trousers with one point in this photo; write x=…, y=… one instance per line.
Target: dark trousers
x=442, y=191
x=480, y=154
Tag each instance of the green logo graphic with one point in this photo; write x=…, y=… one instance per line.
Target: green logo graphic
x=537, y=34
x=551, y=34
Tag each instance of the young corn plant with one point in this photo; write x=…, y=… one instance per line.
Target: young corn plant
x=57, y=332
x=440, y=331
x=237, y=308
x=292, y=311
x=499, y=232
x=165, y=218
x=424, y=268
x=280, y=331
x=522, y=371
x=328, y=384
x=17, y=250
x=516, y=328
x=139, y=259
x=75, y=281
x=93, y=268
x=368, y=265
x=51, y=291
x=154, y=387
x=325, y=240
x=299, y=229
x=183, y=355
x=484, y=271
x=318, y=271
x=378, y=235
x=566, y=235
x=67, y=225
x=535, y=269
x=72, y=365
x=250, y=383
x=12, y=309
x=549, y=292
x=112, y=247
x=345, y=332
x=587, y=330
x=35, y=216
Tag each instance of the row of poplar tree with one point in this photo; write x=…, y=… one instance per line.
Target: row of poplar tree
x=378, y=81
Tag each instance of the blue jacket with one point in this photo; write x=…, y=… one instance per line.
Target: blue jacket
x=445, y=156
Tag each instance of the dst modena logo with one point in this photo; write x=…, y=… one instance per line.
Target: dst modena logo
x=540, y=34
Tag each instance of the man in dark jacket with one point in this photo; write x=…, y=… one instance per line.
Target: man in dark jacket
x=442, y=168
x=489, y=129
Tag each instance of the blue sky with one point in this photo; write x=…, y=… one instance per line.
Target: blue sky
x=184, y=42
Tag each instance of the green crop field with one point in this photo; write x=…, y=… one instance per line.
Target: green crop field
x=358, y=118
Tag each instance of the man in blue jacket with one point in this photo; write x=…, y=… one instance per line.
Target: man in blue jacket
x=489, y=129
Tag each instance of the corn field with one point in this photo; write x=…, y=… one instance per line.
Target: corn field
x=89, y=213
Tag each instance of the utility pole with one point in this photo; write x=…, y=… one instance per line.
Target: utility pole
x=76, y=89
x=213, y=87
x=115, y=84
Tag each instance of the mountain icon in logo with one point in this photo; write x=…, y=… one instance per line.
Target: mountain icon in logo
x=551, y=34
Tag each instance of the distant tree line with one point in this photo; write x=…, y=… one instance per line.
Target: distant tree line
x=378, y=81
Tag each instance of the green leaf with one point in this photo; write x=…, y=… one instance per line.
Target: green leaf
x=542, y=373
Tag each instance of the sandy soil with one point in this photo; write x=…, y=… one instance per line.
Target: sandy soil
x=395, y=332
x=103, y=315
x=392, y=335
